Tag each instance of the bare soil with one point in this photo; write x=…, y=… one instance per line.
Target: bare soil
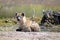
x=29, y=35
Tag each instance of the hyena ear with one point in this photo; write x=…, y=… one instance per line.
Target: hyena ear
x=22, y=14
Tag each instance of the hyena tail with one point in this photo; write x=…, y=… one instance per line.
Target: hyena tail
x=33, y=15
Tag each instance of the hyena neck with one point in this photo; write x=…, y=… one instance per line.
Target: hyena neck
x=24, y=19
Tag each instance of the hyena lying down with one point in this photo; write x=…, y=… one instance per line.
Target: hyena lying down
x=26, y=25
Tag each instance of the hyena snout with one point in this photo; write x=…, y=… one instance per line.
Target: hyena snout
x=18, y=18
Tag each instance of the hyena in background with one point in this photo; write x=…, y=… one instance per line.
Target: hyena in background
x=26, y=25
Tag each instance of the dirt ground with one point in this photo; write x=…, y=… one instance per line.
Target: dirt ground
x=29, y=35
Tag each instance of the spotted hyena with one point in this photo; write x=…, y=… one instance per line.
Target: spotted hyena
x=26, y=25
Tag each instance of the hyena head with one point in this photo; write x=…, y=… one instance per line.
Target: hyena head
x=19, y=16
